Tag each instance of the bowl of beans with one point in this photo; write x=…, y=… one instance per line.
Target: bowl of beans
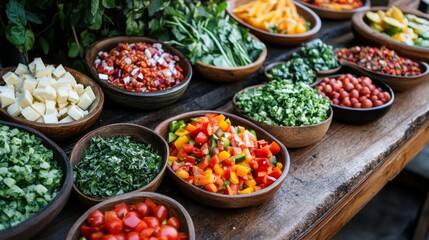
x=139, y=72
x=355, y=99
x=135, y=216
x=385, y=65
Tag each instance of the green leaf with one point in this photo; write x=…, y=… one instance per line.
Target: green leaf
x=44, y=44
x=16, y=35
x=73, y=50
x=87, y=38
x=153, y=7
x=16, y=13
x=95, y=5
x=33, y=18
x=96, y=21
x=109, y=3
x=29, y=40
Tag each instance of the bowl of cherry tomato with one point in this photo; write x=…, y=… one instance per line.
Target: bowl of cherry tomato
x=139, y=72
x=355, y=99
x=134, y=216
x=222, y=160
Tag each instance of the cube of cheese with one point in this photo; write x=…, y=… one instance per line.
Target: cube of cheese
x=45, y=72
x=66, y=120
x=62, y=112
x=39, y=65
x=50, y=107
x=40, y=120
x=39, y=107
x=30, y=114
x=30, y=84
x=79, y=88
x=62, y=82
x=32, y=67
x=71, y=79
x=75, y=112
x=44, y=94
x=22, y=69
x=44, y=82
x=73, y=97
x=61, y=106
x=50, y=118
x=27, y=76
x=51, y=69
x=14, y=109
x=12, y=79
x=90, y=93
x=85, y=101
x=25, y=99
x=62, y=95
x=7, y=96
x=59, y=71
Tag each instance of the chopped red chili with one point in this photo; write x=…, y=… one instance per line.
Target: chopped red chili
x=139, y=67
x=382, y=60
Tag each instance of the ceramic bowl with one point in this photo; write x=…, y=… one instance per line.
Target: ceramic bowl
x=220, y=200
x=174, y=209
x=137, y=100
x=364, y=33
x=30, y=227
x=326, y=13
x=281, y=39
x=62, y=131
x=363, y=115
x=291, y=137
x=230, y=74
x=139, y=134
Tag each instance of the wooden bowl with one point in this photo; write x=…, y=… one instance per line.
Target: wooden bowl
x=281, y=39
x=136, y=100
x=62, y=131
x=364, y=33
x=291, y=137
x=362, y=115
x=137, y=133
x=326, y=13
x=230, y=74
x=30, y=227
x=216, y=199
x=174, y=209
x=397, y=83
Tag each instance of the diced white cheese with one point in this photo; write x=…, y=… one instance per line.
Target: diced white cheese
x=32, y=67
x=30, y=114
x=30, y=84
x=62, y=95
x=85, y=101
x=39, y=107
x=90, y=93
x=12, y=79
x=25, y=99
x=51, y=69
x=66, y=120
x=50, y=107
x=7, y=96
x=79, y=88
x=50, y=118
x=62, y=112
x=73, y=96
x=27, y=76
x=14, y=109
x=40, y=120
x=75, y=112
x=86, y=112
x=62, y=82
x=44, y=82
x=44, y=94
x=59, y=71
x=71, y=79
x=22, y=69
x=39, y=64
x=103, y=76
x=46, y=72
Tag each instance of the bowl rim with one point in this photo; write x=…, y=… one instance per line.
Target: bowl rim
x=157, y=197
x=234, y=103
x=277, y=183
x=316, y=28
x=132, y=39
x=259, y=60
x=364, y=7
x=358, y=19
x=87, y=137
x=62, y=194
x=97, y=109
x=377, y=83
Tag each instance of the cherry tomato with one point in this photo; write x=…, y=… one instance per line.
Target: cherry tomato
x=96, y=236
x=95, y=218
x=133, y=236
x=336, y=101
x=378, y=103
x=353, y=101
x=187, y=148
x=174, y=222
x=354, y=93
x=348, y=87
x=357, y=105
x=130, y=220
x=168, y=231
x=373, y=98
x=344, y=94
x=328, y=89
x=201, y=138
x=335, y=95
x=152, y=222
x=121, y=209
x=120, y=236
x=358, y=86
x=147, y=232
x=375, y=92
x=114, y=225
x=387, y=96
x=161, y=212
x=151, y=204
x=346, y=102
x=367, y=103
x=364, y=91
x=109, y=237
x=142, y=209
x=142, y=225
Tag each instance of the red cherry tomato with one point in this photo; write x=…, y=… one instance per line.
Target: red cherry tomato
x=174, y=222
x=121, y=209
x=357, y=105
x=151, y=222
x=161, y=212
x=367, y=103
x=142, y=209
x=168, y=231
x=95, y=218
x=346, y=102
x=201, y=138
x=348, y=87
x=133, y=236
x=151, y=204
x=387, y=96
x=354, y=93
x=109, y=237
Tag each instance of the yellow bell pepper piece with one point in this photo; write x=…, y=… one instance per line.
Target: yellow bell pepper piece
x=250, y=183
x=241, y=170
x=233, y=178
x=218, y=169
x=182, y=173
x=180, y=141
x=247, y=190
x=223, y=155
x=172, y=158
x=181, y=132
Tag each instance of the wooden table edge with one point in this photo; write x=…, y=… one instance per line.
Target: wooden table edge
x=357, y=198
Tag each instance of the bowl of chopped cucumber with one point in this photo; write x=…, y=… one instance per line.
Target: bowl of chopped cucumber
x=116, y=159
x=294, y=113
x=58, y=101
x=36, y=180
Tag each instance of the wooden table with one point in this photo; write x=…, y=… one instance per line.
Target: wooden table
x=328, y=182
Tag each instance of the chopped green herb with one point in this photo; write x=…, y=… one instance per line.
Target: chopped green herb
x=115, y=165
x=319, y=56
x=295, y=70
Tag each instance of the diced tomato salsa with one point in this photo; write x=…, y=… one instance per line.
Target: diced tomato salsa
x=209, y=152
